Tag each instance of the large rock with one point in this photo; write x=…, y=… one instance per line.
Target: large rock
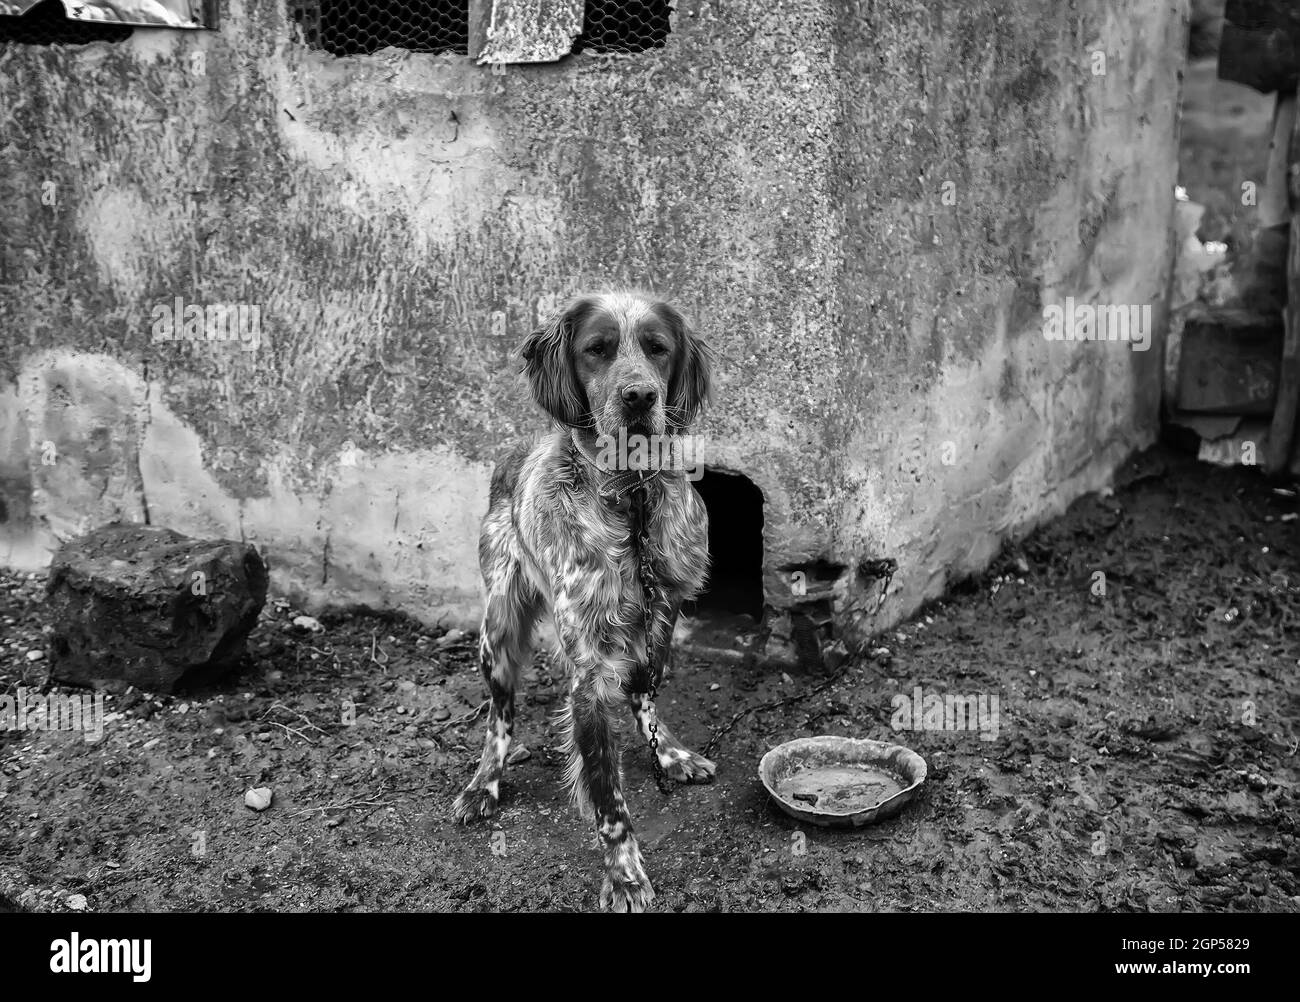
x=151, y=607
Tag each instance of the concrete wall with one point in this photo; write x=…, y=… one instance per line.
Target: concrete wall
x=401, y=220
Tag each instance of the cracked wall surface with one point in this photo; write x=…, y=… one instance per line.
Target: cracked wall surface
x=863, y=205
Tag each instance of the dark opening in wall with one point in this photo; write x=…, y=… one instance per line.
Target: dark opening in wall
x=735, y=545
x=356, y=27
x=624, y=25
x=48, y=24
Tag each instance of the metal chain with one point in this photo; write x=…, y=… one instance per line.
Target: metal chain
x=641, y=534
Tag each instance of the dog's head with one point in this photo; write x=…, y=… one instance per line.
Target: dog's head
x=618, y=360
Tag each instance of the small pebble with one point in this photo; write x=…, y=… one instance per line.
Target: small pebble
x=520, y=754
x=441, y=713
x=35, y=655
x=309, y=623
x=154, y=743
x=714, y=687
x=450, y=637
x=77, y=902
x=259, y=799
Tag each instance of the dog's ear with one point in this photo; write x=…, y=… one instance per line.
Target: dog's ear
x=691, y=386
x=548, y=364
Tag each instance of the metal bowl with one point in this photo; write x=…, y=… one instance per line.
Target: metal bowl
x=841, y=782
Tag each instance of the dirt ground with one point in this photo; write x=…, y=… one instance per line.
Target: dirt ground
x=1145, y=756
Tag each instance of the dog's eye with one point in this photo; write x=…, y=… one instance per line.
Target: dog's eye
x=596, y=349
x=657, y=348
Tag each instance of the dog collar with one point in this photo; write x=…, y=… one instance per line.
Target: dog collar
x=615, y=487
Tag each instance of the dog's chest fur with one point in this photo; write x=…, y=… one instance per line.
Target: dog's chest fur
x=563, y=525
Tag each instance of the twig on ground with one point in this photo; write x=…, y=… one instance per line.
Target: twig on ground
x=291, y=730
x=464, y=718
x=375, y=647
x=342, y=807
x=277, y=705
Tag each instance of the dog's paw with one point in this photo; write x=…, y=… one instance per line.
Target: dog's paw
x=687, y=766
x=474, y=803
x=626, y=887
x=626, y=892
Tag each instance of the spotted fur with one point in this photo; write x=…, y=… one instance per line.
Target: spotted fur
x=550, y=542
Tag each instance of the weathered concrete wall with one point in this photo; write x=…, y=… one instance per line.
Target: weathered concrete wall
x=400, y=220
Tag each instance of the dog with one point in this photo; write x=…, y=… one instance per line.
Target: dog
x=611, y=553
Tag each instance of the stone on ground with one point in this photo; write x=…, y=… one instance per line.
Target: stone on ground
x=150, y=607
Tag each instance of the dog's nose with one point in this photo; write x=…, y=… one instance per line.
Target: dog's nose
x=640, y=396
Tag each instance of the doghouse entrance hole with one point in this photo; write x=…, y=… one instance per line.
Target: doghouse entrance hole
x=735, y=508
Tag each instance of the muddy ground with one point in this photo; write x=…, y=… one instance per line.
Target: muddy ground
x=1146, y=755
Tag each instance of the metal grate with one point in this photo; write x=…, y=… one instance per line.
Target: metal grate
x=48, y=24
x=624, y=25
x=353, y=27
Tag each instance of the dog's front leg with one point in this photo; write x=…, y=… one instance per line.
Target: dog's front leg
x=677, y=761
x=626, y=886
x=596, y=776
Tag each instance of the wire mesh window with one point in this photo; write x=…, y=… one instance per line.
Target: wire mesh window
x=48, y=24
x=357, y=27
x=354, y=27
x=624, y=25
